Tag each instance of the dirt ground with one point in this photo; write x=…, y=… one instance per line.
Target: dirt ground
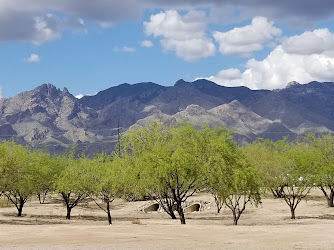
x=266, y=227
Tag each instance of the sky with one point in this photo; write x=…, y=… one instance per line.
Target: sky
x=88, y=46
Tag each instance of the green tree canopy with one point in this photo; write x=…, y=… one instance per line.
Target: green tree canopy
x=167, y=160
x=70, y=182
x=324, y=170
x=18, y=173
x=106, y=179
x=230, y=178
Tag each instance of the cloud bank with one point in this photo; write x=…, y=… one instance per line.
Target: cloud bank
x=293, y=60
x=185, y=35
x=245, y=40
x=39, y=21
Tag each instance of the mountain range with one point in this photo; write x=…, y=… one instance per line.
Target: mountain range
x=48, y=117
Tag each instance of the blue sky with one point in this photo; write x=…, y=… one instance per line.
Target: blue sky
x=88, y=46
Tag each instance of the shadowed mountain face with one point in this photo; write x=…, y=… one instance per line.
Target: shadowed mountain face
x=47, y=117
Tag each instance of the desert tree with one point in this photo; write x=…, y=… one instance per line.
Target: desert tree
x=18, y=172
x=231, y=179
x=2, y=170
x=268, y=159
x=242, y=188
x=69, y=182
x=46, y=168
x=324, y=170
x=297, y=176
x=168, y=164
x=219, y=154
x=106, y=179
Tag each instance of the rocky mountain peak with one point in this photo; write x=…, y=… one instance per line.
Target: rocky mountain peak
x=291, y=84
x=235, y=104
x=180, y=83
x=46, y=90
x=65, y=91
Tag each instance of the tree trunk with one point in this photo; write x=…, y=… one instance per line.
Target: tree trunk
x=39, y=198
x=181, y=214
x=171, y=211
x=235, y=218
x=293, y=216
x=329, y=197
x=218, y=204
x=172, y=215
x=108, y=212
x=68, y=215
x=19, y=209
x=178, y=200
x=330, y=200
x=42, y=197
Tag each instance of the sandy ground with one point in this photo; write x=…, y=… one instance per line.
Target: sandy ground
x=266, y=227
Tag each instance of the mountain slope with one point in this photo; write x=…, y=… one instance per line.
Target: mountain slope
x=47, y=117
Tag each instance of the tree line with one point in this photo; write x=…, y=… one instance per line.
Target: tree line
x=169, y=164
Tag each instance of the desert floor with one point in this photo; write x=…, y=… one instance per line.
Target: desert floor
x=266, y=227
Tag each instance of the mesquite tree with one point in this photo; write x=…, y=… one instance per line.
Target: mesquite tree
x=168, y=161
x=324, y=171
x=242, y=188
x=268, y=159
x=2, y=171
x=69, y=182
x=18, y=173
x=231, y=179
x=219, y=154
x=46, y=167
x=297, y=176
x=106, y=180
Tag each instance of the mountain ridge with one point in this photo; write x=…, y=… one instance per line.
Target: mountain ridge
x=47, y=117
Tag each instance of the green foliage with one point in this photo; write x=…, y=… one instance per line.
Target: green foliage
x=18, y=173
x=69, y=174
x=170, y=163
x=287, y=169
x=270, y=162
x=166, y=161
x=105, y=179
x=323, y=168
x=46, y=168
x=230, y=178
x=70, y=182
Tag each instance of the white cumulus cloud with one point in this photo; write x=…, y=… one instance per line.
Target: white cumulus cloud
x=33, y=58
x=185, y=35
x=291, y=61
x=147, y=44
x=242, y=41
x=316, y=42
x=124, y=49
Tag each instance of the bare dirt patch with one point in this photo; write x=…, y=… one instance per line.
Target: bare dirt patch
x=266, y=227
